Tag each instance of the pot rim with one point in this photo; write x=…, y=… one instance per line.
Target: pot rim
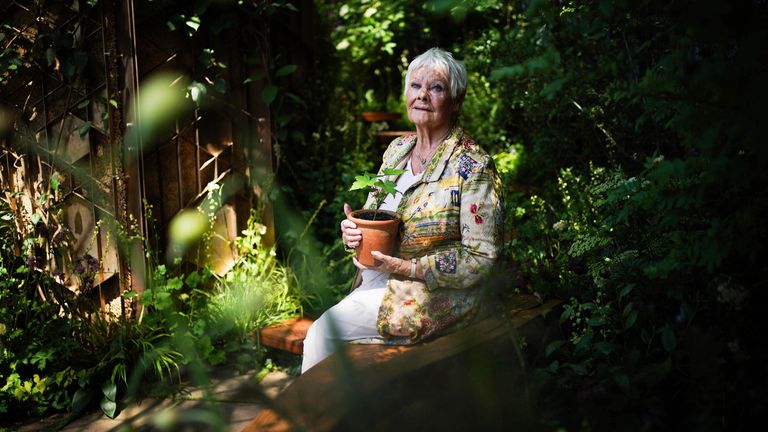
x=397, y=217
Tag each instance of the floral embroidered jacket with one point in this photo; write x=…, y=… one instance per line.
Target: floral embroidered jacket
x=452, y=222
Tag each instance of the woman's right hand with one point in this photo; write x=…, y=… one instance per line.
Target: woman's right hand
x=350, y=235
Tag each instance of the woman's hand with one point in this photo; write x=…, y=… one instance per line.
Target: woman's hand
x=350, y=235
x=389, y=264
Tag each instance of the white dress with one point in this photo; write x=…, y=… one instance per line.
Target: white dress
x=355, y=316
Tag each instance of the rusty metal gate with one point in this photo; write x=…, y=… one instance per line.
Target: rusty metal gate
x=77, y=122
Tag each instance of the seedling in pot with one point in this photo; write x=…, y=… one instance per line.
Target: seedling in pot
x=377, y=184
x=379, y=227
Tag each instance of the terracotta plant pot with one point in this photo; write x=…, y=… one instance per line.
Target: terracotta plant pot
x=378, y=235
x=374, y=116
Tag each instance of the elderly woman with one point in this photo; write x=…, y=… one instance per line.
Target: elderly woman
x=450, y=238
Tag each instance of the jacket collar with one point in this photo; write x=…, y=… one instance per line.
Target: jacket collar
x=439, y=161
x=436, y=166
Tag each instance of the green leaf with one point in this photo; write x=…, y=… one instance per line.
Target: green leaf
x=630, y=321
x=552, y=347
x=269, y=93
x=80, y=400
x=626, y=290
x=255, y=77
x=387, y=186
x=220, y=85
x=627, y=309
x=84, y=129
x=285, y=70
x=577, y=368
x=550, y=90
x=393, y=172
x=362, y=182
x=622, y=380
x=283, y=119
x=55, y=181
x=506, y=71
x=50, y=56
x=584, y=343
x=113, y=103
x=193, y=23
x=109, y=388
x=604, y=347
x=596, y=321
x=296, y=99
x=668, y=339
x=84, y=103
x=109, y=407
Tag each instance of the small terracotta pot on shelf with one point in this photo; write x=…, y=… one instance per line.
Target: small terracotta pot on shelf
x=378, y=235
x=376, y=116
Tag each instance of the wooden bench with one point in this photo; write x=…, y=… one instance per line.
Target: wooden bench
x=364, y=386
x=287, y=335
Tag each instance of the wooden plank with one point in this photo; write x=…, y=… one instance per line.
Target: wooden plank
x=322, y=397
x=287, y=336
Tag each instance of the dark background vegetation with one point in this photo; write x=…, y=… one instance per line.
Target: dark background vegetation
x=629, y=136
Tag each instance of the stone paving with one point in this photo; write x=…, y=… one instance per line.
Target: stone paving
x=233, y=400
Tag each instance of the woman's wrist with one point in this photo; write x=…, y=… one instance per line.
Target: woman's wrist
x=412, y=274
x=409, y=268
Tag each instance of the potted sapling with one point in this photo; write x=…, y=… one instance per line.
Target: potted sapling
x=379, y=227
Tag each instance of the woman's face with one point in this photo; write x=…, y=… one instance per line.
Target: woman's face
x=428, y=99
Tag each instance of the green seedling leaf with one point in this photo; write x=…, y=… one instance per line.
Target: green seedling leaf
x=362, y=182
x=387, y=186
x=392, y=171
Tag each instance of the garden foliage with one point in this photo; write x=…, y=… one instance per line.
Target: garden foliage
x=57, y=350
x=628, y=137
x=58, y=353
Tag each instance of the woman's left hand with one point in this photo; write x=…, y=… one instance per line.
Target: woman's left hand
x=389, y=264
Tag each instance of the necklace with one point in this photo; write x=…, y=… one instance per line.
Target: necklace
x=424, y=159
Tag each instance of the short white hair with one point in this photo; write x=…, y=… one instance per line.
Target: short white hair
x=436, y=58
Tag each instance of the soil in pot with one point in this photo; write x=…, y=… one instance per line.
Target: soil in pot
x=380, y=231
